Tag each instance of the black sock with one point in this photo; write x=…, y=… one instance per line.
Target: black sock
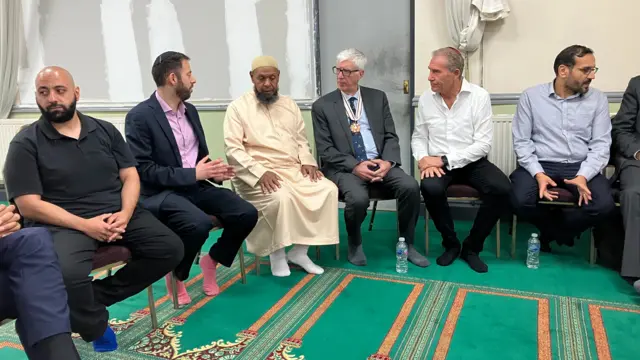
x=474, y=261
x=448, y=256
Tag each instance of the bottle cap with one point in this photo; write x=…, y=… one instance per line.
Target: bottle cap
x=534, y=235
x=401, y=239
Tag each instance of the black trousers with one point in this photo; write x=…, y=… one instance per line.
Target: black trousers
x=560, y=223
x=630, y=209
x=188, y=214
x=493, y=186
x=155, y=250
x=32, y=291
x=397, y=184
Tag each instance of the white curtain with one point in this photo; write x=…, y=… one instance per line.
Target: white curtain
x=466, y=20
x=10, y=35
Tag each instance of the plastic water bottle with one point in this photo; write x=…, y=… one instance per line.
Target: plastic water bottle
x=402, y=252
x=533, y=252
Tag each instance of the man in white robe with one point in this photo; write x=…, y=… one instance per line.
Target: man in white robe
x=266, y=143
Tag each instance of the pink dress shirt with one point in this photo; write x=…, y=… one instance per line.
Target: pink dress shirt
x=183, y=132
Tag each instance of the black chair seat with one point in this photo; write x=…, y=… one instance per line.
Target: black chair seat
x=462, y=191
x=107, y=255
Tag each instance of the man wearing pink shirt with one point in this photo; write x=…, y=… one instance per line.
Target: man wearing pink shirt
x=167, y=139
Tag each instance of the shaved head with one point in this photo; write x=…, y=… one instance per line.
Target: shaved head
x=55, y=73
x=56, y=94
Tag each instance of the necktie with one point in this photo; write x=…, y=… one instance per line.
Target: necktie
x=356, y=137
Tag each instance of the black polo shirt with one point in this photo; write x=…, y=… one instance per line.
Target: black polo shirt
x=79, y=175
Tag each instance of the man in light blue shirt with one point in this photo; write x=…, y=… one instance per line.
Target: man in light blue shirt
x=562, y=139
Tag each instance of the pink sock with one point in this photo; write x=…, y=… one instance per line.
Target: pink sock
x=183, y=295
x=209, y=284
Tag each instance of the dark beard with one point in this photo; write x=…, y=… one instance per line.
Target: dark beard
x=265, y=98
x=58, y=116
x=183, y=92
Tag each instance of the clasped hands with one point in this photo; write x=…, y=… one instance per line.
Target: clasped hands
x=544, y=182
x=214, y=169
x=106, y=227
x=372, y=170
x=430, y=166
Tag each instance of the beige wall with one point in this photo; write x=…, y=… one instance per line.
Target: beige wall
x=519, y=51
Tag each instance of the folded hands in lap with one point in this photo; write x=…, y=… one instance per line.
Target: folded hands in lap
x=372, y=170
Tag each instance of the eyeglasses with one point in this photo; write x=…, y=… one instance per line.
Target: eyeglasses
x=345, y=72
x=588, y=70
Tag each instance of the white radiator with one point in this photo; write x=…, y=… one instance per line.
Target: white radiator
x=501, y=154
x=9, y=128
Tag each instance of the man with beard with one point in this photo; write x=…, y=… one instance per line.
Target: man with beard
x=562, y=138
x=265, y=141
x=76, y=176
x=167, y=140
x=358, y=146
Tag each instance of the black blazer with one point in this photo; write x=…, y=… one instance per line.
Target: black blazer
x=154, y=147
x=333, y=136
x=625, y=132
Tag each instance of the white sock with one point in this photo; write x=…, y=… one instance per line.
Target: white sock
x=279, y=266
x=298, y=255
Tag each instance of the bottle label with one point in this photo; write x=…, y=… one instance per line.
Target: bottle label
x=401, y=252
x=534, y=247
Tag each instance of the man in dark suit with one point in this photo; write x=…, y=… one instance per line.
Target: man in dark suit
x=32, y=290
x=167, y=139
x=358, y=147
x=626, y=156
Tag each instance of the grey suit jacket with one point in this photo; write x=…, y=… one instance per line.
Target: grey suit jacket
x=625, y=131
x=333, y=137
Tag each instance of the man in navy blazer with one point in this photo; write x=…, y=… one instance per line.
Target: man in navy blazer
x=176, y=175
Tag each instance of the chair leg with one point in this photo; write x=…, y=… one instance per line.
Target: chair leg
x=498, y=239
x=373, y=215
x=197, y=260
x=257, y=261
x=426, y=232
x=514, y=226
x=152, y=308
x=592, y=251
x=337, y=251
x=243, y=270
x=317, y=252
x=174, y=291
x=109, y=272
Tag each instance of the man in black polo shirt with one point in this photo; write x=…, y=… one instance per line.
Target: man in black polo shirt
x=75, y=175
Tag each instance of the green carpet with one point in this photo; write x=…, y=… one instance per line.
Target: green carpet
x=566, y=309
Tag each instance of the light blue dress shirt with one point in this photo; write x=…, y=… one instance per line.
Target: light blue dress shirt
x=365, y=128
x=549, y=128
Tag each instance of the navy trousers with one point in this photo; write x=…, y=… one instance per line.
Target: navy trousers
x=33, y=292
x=567, y=223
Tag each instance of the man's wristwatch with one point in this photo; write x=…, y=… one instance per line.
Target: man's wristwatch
x=445, y=161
